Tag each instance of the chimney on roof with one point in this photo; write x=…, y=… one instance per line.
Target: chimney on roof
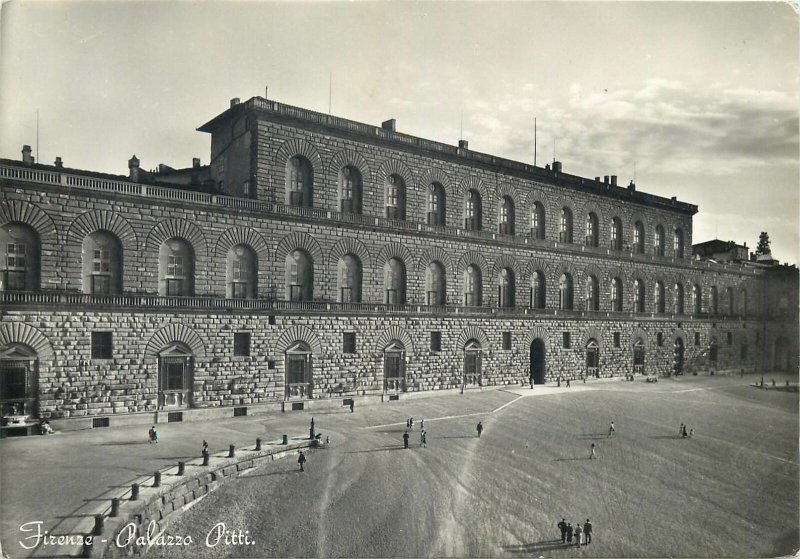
x=556, y=167
x=133, y=167
x=613, y=180
x=605, y=180
x=632, y=187
x=234, y=101
x=27, y=158
x=58, y=163
x=390, y=124
x=463, y=144
x=195, y=162
x=597, y=179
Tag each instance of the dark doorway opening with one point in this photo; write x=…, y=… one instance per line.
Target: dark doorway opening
x=537, y=361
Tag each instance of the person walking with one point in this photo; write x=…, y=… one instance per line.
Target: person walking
x=153, y=434
x=562, y=526
x=421, y=424
x=410, y=422
x=691, y=432
x=593, y=455
x=681, y=429
x=611, y=429
x=569, y=534
x=479, y=429
x=205, y=447
x=423, y=439
x=683, y=432
x=301, y=460
x=405, y=439
x=352, y=405
x=587, y=530
x=568, y=383
x=578, y=533
x=150, y=434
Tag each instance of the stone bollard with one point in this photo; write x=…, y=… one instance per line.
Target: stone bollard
x=258, y=444
x=232, y=451
x=205, y=458
x=114, y=508
x=134, y=492
x=88, y=547
x=99, y=522
x=156, y=479
x=285, y=439
x=181, y=468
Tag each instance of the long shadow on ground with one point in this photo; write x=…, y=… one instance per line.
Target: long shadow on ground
x=544, y=545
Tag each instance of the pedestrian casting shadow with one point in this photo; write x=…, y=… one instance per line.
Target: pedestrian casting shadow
x=459, y=437
x=594, y=436
x=544, y=545
x=398, y=447
x=278, y=473
x=121, y=443
x=576, y=458
x=666, y=437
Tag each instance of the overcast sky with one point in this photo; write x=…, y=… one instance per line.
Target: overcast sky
x=703, y=97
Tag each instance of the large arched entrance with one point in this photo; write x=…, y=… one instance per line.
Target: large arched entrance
x=782, y=355
x=593, y=358
x=677, y=365
x=18, y=383
x=537, y=361
x=472, y=363
x=394, y=367
x=299, y=374
x=175, y=366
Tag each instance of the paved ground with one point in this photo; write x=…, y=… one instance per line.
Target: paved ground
x=730, y=491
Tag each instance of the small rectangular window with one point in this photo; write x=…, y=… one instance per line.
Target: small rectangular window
x=730, y=338
x=436, y=341
x=743, y=352
x=566, y=340
x=349, y=342
x=271, y=320
x=241, y=344
x=101, y=345
x=660, y=339
x=270, y=364
x=697, y=338
x=506, y=340
x=616, y=339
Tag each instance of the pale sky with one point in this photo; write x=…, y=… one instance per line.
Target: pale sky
x=703, y=97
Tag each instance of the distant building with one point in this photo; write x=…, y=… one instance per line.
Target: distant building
x=721, y=251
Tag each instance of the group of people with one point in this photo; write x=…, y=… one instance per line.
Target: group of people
x=410, y=423
x=152, y=435
x=577, y=535
x=682, y=432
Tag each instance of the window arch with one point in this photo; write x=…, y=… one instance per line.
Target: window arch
x=731, y=301
x=436, y=284
x=678, y=298
x=21, y=253
x=473, y=286
x=349, y=274
x=506, y=287
x=299, y=182
x=241, y=273
x=697, y=299
x=658, y=297
x=616, y=234
x=565, y=234
x=299, y=371
x=472, y=210
x=616, y=295
x=638, y=237
x=592, y=294
x=638, y=296
x=350, y=189
x=537, y=221
x=299, y=276
x=713, y=303
x=102, y=264
x=678, y=243
x=176, y=268
x=592, y=230
x=395, y=194
x=436, y=204
x=565, y=292
x=658, y=241
x=538, y=290
x=394, y=282
x=507, y=216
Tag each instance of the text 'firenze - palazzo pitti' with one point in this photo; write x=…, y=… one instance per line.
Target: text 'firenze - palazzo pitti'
x=318, y=259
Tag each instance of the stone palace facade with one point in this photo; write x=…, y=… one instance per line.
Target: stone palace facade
x=318, y=260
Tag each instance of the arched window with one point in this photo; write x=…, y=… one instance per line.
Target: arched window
x=565, y=292
x=678, y=245
x=505, y=288
x=592, y=230
x=638, y=296
x=616, y=234
x=436, y=284
x=731, y=301
x=537, y=221
x=472, y=363
x=678, y=298
x=436, y=204
x=299, y=276
x=472, y=211
x=638, y=237
x=507, y=217
x=242, y=273
x=658, y=241
x=616, y=295
x=473, y=286
x=565, y=235
x=176, y=268
x=592, y=294
x=20, y=258
x=299, y=372
x=349, y=272
x=593, y=358
x=744, y=303
x=299, y=182
x=350, y=189
x=395, y=197
x=176, y=372
x=19, y=390
x=658, y=297
x=697, y=299
x=394, y=367
x=102, y=264
x=713, y=303
x=538, y=290
x=394, y=282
